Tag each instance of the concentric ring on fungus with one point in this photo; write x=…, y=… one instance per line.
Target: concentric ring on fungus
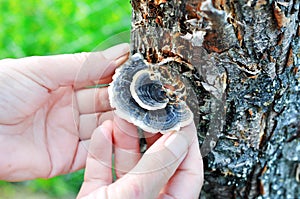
x=152, y=97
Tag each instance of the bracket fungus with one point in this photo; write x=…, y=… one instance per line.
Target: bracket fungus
x=151, y=96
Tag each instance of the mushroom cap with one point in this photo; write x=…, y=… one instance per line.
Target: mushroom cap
x=148, y=96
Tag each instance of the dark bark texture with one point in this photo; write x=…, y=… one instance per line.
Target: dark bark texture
x=242, y=60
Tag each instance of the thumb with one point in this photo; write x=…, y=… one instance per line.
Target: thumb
x=71, y=69
x=155, y=168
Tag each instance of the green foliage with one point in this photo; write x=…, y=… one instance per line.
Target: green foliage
x=44, y=27
x=66, y=186
x=6, y=189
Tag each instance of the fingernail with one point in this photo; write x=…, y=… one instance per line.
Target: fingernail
x=116, y=51
x=121, y=60
x=177, y=144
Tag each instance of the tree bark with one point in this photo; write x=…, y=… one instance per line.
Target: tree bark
x=242, y=60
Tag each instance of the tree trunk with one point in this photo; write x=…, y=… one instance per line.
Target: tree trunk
x=241, y=59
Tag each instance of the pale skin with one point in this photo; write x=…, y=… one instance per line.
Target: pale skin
x=47, y=119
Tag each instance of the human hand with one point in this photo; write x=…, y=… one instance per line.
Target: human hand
x=47, y=114
x=171, y=168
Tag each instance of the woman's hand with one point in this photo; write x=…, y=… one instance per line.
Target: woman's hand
x=47, y=114
x=170, y=168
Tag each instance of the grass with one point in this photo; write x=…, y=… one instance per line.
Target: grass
x=45, y=27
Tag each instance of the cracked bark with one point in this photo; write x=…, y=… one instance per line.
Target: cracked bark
x=241, y=59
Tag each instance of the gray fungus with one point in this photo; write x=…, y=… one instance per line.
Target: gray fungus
x=149, y=96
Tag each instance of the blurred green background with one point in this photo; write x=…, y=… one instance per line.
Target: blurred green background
x=42, y=27
x=45, y=27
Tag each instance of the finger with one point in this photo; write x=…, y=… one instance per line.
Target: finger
x=99, y=161
x=72, y=69
x=92, y=100
x=80, y=156
x=155, y=168
x=98, y=83
x=105, y=80
x=189, y=175
x=89, y=122
x=126, y=145
x=2, y=61
x=109, y=115
x=151, y=138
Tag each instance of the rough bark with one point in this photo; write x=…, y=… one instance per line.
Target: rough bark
x=241, y=59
